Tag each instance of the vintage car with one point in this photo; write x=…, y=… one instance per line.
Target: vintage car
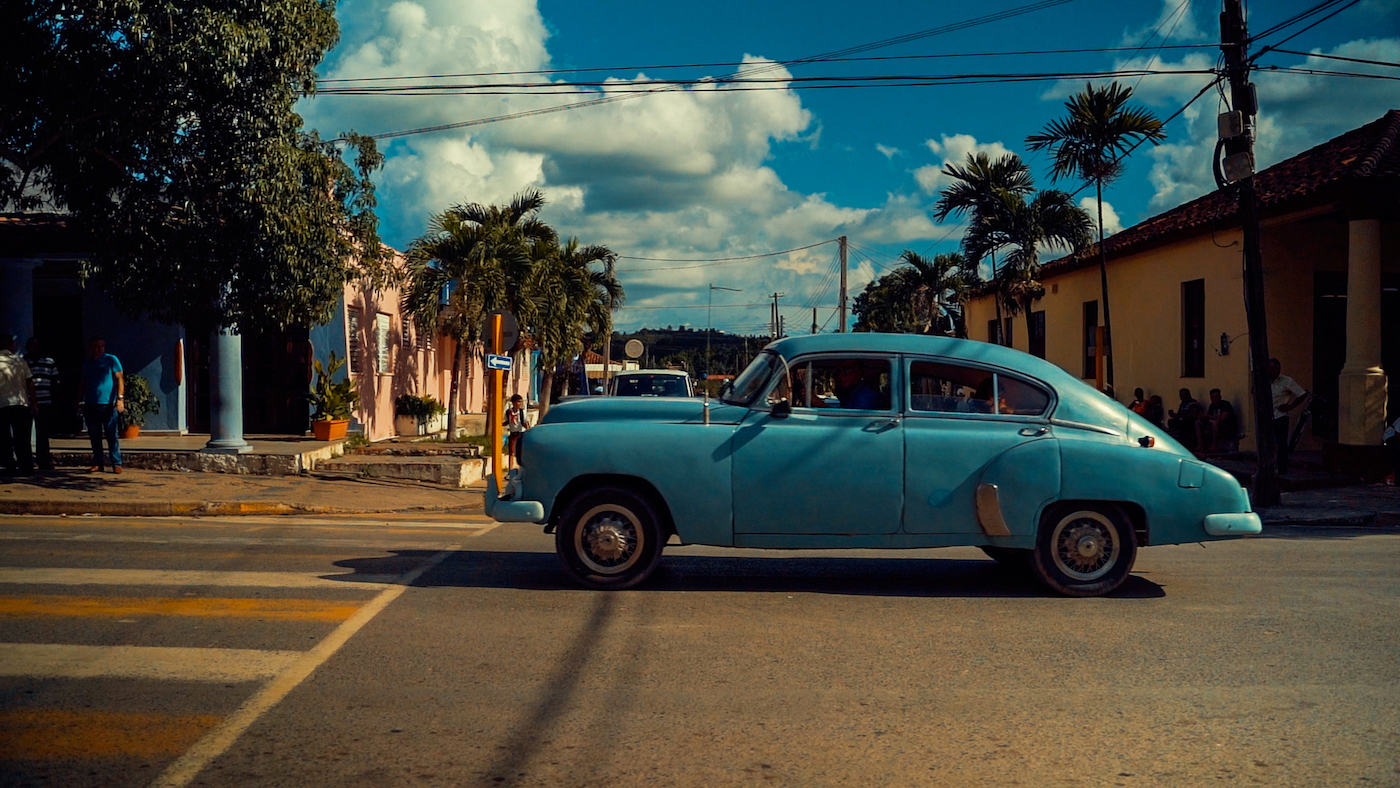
x=871, y=441
x=651, y=383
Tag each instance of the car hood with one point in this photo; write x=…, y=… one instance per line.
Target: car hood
x=664, y=410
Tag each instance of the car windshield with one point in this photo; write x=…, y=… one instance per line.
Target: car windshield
x=650, y=386
x=752, y=380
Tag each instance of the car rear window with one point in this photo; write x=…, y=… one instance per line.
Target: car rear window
x=949, y=388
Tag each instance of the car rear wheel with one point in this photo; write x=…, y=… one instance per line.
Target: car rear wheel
x=609, y=538
x=1084, y=549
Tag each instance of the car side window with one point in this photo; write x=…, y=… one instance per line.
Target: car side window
x=948, y=388
x=842, y=383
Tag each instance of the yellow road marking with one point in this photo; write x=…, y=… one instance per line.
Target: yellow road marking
x=162, y=663
x=46, y=606
x=41, y=734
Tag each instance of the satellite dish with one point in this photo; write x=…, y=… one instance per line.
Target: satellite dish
x=633, y=348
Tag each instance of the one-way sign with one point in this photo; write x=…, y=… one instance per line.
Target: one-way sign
x=494, y=361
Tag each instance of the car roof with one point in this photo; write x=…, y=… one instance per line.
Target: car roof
x=680, y=373
x=1077, y=401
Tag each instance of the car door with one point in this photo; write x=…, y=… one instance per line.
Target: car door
x=818, y=455
x=966, y=426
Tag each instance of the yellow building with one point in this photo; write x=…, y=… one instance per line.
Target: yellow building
x=1330, y=227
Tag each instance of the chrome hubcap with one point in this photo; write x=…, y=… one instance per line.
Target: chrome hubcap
x=1085, y=546
x=609, y=539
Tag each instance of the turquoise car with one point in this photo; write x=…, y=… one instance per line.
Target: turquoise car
x=871, y=441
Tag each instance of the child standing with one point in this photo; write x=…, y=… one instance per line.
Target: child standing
x=515, y=424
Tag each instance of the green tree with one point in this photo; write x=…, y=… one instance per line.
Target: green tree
x=166, y=130
x=1049, y=220
x=977, y=188
x=919, y=297
x=482, y=255
x=1090, y=143
x=574, y=290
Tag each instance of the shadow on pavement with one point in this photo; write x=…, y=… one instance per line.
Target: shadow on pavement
x=896, y=577
x=1304, y=531
x=81, y=481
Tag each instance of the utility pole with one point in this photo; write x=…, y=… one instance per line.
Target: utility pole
x=814, y=320
x=777, y=319
x=841, y=327
x=1237, y=139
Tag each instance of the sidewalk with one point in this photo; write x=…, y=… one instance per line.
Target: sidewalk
x=154, y=493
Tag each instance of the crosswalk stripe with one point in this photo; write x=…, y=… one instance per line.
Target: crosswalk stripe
x=40, y=606
x=160, y=577
x=55, y=735
x=49, y=660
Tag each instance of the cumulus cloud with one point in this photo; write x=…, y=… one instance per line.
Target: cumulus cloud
x=1296, y=112
x=1111, y=222
x=888, y=151
x=952, y=149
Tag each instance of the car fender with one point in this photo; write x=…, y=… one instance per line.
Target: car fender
x=1027, y=479
x=686, y=463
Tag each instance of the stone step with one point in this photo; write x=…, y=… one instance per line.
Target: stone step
x=448, y=471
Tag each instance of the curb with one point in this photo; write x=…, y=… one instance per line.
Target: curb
x=1317, y=517
x=41, y=508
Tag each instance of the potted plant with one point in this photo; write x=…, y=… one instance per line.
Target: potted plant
x=415, y=415
x=333, y=401
x=139, y=400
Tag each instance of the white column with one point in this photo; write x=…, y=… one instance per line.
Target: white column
x=1362, y=383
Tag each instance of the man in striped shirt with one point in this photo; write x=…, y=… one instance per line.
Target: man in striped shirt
x=45, y=374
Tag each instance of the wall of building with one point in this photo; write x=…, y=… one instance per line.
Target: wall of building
x=1145, y=292
x=146, y=348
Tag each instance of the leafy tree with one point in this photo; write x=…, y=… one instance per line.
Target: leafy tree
x=1050, y=220
x=571, y=298
x=482, y=255
x=1100, y=130
x=917, y=298
x=977, y=188
x=166, y=129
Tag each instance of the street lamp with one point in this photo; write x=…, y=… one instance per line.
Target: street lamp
x=709, y=309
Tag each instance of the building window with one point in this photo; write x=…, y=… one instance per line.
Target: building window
x=425, y=339
x=1038, y=334
x=1091, y=340
x=352, y=321
x=381, y=343
x=406, y=333
x=1193, y=329
x=1006, y=334
x=993, y=335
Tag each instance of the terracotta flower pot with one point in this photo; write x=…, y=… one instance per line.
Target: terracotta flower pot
x=131, y=432
x=329, y=429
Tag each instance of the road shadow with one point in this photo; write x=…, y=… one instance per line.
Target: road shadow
x=80, y=481
x=875, y=576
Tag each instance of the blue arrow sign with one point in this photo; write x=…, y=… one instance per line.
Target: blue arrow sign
x=494, y=361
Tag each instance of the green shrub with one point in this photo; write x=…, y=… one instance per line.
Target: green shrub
x=419, y=407
x=333, y=401
x=139, y=400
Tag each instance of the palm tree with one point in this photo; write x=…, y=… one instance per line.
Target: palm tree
x=931, y=283
x=1091, y=143
x=1050, y=220
x=575, y=291
x=977, y=187
x=482, y=255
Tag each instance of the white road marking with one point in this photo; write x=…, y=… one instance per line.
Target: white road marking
x=47, y=660
x=218, y=740
x=163, y=577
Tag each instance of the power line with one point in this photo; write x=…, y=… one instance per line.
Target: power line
x=1338, y=57
x=706, y=263
x=985, y=19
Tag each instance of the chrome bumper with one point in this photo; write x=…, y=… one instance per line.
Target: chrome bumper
x=1238, y=524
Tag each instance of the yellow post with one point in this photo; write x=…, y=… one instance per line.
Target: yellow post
x=493, y=424
x=1098, y=357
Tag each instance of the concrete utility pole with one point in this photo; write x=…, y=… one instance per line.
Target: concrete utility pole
x=777, y=319
x=814, y=320
x=841, y=327
x=1237, y=139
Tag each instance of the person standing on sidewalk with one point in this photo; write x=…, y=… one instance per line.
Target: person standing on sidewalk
x=516, y=423
x=45, y=379
x=16, y=410
x=104, y=395
x=1288, y=395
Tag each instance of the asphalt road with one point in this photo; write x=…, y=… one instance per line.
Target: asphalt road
x=307, y=652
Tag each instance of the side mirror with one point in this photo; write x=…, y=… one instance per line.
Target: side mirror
x=781, y=409
x=725, y=387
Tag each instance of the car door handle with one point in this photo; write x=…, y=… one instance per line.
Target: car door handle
x=1033, y=432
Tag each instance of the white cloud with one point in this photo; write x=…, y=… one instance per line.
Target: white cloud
x=1296, y=112
x=952, y=149
x=888, y=151
x=1111, y=223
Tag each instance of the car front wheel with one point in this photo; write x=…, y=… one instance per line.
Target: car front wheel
x=609, y=538
x=1084, y=549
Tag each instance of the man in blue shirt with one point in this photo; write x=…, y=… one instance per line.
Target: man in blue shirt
x=104, y=392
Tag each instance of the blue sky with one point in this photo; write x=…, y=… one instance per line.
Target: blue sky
x=696, y=174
